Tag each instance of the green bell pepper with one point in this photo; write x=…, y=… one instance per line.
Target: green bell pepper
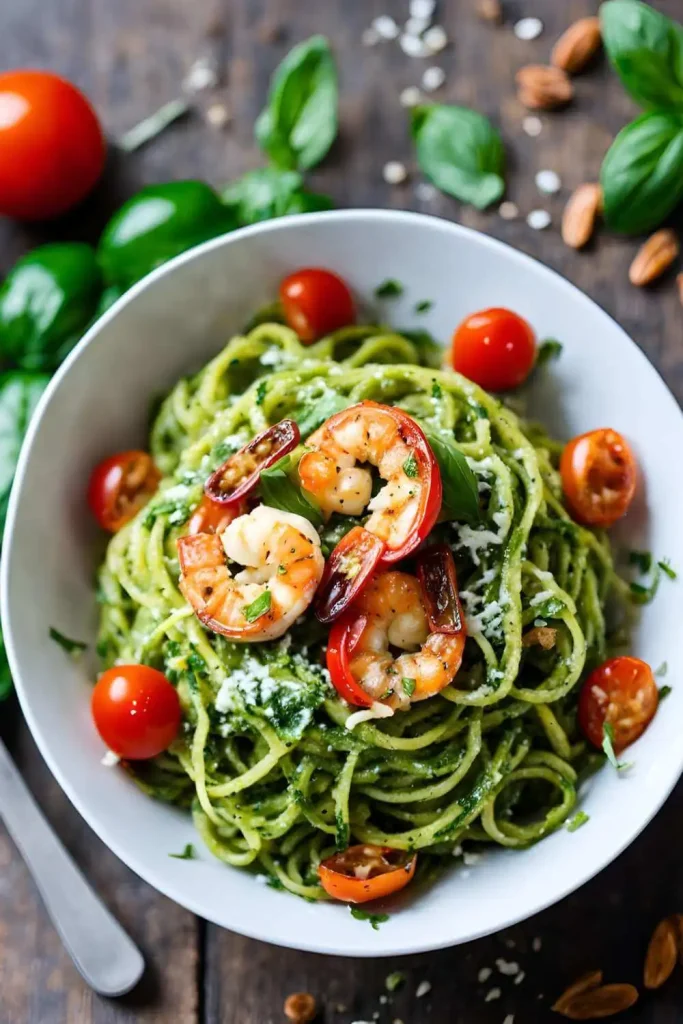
x=157, y=224
x=46, y=302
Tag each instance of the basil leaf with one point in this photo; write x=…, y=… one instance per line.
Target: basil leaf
x=258, y=607
x=608, y=748
x=410, y=466
x=315, y=410
x=19, y=394
x=187, y=854
x=646, y=50
x=664, y=692
x=279, y=491
x=364, y=915
x=460, y=492
x=548, y=350
x=389, y=289
x=268, y=193
x=299, y=124
x=642, y=173
x=461, y=152
x=74, y=647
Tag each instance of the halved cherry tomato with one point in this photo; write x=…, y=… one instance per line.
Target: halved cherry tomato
x=350, y=566
x=598, y=471
x=621, y=692
x=316, y=302
x=343, y=637
x=363, y=873
x=240, y=473
x=212, y=517
x=436, y=573
x=120, y=486
x=495, y=348
x=52, y=149
x=136, y=711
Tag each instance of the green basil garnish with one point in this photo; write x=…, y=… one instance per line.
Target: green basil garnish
x=646, y=50
x=410, y=466
x=389, y=289
x=299, y=123
x=258, y=607
x=642, y=173
x=548, y=350
x=187, y=854
x=460, y=152
x=460, y=491
x=268, y=192
x=279, y=490
x=74, y=647
x=408, y=685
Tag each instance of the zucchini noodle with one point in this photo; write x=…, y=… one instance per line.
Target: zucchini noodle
x=274, y=778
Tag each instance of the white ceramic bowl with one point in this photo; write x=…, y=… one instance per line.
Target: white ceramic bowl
x=173, y=322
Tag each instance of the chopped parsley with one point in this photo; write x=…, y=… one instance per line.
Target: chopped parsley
x=408, y=685
x=664, y=692
x=641, y=559
x=437, y=390
x=394, y=981
x=364, y=915
x=73, y=647
x=579, y=819
x=548, y=350
x=187, y=854
x=389, y=289
x=261, y=392
x=665, y=566
x=410, y=466
x=424, y=306
x=258, y=607
x=662, y=670
x=281, y=570
x=608, y=747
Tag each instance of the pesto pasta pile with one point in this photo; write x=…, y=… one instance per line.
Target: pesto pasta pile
x=275, y=780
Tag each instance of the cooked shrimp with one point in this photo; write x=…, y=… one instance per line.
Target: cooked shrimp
x=283, y=566
x=336, y=473
x=396, y=617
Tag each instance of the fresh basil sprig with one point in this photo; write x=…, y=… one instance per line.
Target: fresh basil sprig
x=299, y=123
x=642, y=173
x=460, y=491
x=461, y=152
x=279, y=490
x=646, y=50
x=268, y=192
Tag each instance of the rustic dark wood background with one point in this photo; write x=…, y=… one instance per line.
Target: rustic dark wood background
x=130, y=56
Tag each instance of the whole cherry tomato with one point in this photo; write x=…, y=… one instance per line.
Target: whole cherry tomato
x=136, y=711
x=495, y=348
x=621, y=692
x=598, y=471
x=316, y=302
x=120, y=486
x=362, y=873
x=52, y=149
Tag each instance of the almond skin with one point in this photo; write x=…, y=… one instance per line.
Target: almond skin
x=580, y=213
x=542, y=87
x=577, y=45
x=662, y=954
x=586, y=983
x=654, y=257
x=597, y=1003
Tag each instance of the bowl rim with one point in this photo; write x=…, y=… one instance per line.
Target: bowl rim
x=90, y=814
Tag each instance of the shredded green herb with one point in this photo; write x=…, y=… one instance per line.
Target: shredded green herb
x=665, y=566
x=364, y=915
x=73, y=647
x=548, y=350
x=258, y=607
x=641, y=559
x=410, y=466
x=394, y=981
x=579, y=819
x=608, y=747
x=187, y=854
x=408, y=685
x=424, y=306
x=664, y=692
x=389, y=289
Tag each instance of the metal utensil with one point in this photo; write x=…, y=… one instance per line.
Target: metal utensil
x=108, y=960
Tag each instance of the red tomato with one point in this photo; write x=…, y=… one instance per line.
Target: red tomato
x=623, y=693
x=212, y=517
x=350, y=566
x=365, y=872
x=495, y=348
x=343, y=637
x=52, y=149
x=316, y=302
x=120, y=486
x=136, y=711
x=438, y=580
x=599, y=473
x=240, y=473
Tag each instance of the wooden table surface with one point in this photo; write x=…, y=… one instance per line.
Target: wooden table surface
x=130, y=56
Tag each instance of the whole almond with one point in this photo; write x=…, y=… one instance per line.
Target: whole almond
x=662, y=954
x=654, y=257
x=597, y=1003
x=578, y=219
x=577, y=45
x=587, y=982
x=542, y=87
x=490, y=10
